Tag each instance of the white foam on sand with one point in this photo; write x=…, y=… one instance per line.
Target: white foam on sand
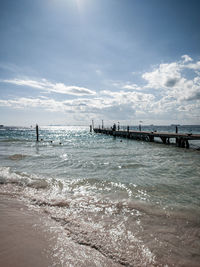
x=29, y=239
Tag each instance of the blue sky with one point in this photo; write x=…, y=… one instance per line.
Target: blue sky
x=71, y=61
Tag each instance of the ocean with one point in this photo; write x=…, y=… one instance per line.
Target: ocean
x=136, y=203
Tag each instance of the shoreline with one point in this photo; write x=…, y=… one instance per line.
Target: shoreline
x=30, y=238
x=45, y=234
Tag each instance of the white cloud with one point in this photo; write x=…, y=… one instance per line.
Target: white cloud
x=73, y=90
x=172, y=91
x=126, y=85
x=194, y=66
x=166, y=75
x=132, y=86
x=186, y=58
x=191, y=89
x=45, y=85
x=28, y=103
x=112, y=105
x=170, y=80
x=30, y=83
x=134, y=100
x=176, y=90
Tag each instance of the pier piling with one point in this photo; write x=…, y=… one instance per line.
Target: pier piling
x=37, y=133
x=187, y=144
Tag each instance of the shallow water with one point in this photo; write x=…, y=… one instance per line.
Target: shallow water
x=136, y=203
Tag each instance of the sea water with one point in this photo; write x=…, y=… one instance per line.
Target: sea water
x=137, y=203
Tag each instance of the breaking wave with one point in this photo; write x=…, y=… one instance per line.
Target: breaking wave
x=128, y=231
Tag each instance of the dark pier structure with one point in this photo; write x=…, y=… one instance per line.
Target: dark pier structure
x=181, y=139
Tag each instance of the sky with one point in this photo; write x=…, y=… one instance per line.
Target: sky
x=72, y=61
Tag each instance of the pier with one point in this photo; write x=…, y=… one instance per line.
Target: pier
x=181, y=139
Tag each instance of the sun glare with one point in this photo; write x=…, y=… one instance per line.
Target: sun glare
x=79, y=4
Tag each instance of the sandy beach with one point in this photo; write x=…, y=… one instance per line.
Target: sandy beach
x=28, y=239
x=23, y=240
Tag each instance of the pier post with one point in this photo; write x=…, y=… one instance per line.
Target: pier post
x=151, y=138
x=163, y=139
x=183, y=143
x=179, y=141
x=128, y=133
x=37, y=133
x=187, y=143
x=176, y=133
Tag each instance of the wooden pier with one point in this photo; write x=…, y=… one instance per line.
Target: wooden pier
x=181, y=139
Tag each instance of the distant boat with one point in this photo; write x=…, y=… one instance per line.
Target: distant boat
x=175, y=125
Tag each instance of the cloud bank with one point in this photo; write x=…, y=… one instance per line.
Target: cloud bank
x=171, y=93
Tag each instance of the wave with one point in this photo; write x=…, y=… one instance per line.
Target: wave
x=17, y=157
x=10, y=140
x=130, y=232
x=87, y=219
x=21, y=179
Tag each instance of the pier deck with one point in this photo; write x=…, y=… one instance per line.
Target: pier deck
x=182, y=139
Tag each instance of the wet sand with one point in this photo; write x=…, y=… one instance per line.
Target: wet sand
x=23, y=241
x=28, y=238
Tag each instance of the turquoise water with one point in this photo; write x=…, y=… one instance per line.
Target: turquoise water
x=144, y=197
